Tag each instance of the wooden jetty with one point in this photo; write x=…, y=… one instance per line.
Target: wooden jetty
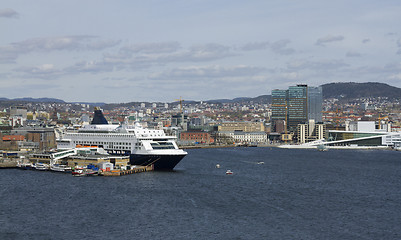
x=136, y=169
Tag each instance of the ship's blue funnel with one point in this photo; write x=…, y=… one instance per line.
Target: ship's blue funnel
x=98, y=117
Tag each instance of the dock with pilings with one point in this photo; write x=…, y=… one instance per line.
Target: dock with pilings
x=8, y=163
x=136, y=169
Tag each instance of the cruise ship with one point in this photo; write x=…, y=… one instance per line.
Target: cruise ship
x=144, y=146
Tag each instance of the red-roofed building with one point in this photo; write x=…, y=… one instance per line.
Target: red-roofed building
x=13, y=138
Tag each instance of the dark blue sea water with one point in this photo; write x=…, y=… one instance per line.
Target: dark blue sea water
x=295, y=194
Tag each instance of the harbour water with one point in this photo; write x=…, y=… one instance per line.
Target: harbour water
x=294, y=194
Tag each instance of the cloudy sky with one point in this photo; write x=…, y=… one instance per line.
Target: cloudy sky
x=123, y=51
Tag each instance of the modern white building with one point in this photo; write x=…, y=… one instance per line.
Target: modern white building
x=311, y=131
x=250, y=137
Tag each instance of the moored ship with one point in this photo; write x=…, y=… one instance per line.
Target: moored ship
x=144, y=146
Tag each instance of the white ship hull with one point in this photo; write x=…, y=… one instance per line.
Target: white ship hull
x=145, y=146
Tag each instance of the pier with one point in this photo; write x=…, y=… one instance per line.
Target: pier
x=8, y=163
x=136, y=169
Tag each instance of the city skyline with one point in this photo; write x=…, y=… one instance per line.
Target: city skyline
x=125, y=51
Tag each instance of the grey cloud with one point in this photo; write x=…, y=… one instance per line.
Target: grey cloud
x=100, y=45
x=322, y=65
x=174, y=54
x=280, y=47
x=207, y=72
x=366, y=40
x=209, y=51
x=328, y=39
x=8, y=13
x=49, y=71
x=399, y=46
x=9, y=53
x=353, y=54
x=152, y=48
x=255, y=46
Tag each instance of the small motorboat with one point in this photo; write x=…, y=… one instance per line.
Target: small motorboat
x=91, y=172
x=78, y=172
x=60, y=168
x=26, y=166
x=41, y=167
x=217, y=165
x=229, y=172
x=261, y=163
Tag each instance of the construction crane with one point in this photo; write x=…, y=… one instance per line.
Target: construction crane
x=180, y=100
x=379, y=119
x=181, y=111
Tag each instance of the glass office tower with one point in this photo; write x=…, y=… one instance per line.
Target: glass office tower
x=300, y=103
x=315, y=101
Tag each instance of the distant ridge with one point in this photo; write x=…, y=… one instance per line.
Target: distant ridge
x=343, y=90
x=263, y=99
x=35, y=100
x=352, y=90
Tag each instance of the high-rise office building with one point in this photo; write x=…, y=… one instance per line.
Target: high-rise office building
x=315, y=101
x=279, y=104
x=298, y=104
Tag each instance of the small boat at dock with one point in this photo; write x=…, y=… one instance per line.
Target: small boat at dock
x=78, y=172
x=60, y=168
x=41, y=166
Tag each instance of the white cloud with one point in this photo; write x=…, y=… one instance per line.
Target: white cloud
x=43, y=71
x=93, y=67
x=52, y=43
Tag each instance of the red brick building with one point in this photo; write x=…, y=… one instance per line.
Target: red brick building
x=196, y=137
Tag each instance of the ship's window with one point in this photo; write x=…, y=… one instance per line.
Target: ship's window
x=162, y=145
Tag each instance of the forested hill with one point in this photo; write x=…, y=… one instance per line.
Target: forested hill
x=358, y=90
